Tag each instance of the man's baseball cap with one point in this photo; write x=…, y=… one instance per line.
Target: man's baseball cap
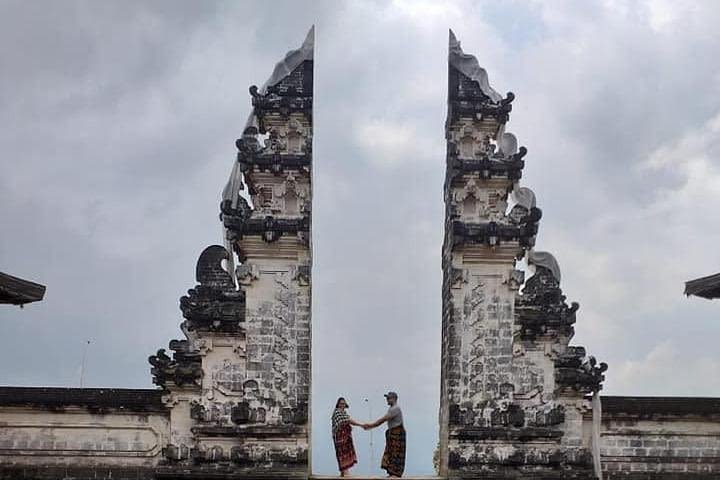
x=391, y=395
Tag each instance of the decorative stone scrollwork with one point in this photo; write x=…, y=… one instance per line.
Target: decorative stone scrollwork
x=579, y=373
x=183, y=369
x=487, y=148
x=468, y=198
x=458, y=278
x=243, y=414
x=272, y=229
x=274, y=143
x=294, y=196
x=516, y=279
x=234, y=217
x=176, y=452
x=247, y=273
x=546, y=260
x=290, y=139
x=487, y=167
x=240, y=350
x=511, y=415
x=292, y=94
x=248, y=145
x=541, y=309
x=546, y=415
x=507, y=415
x=197, y=411
x=213, y=454
x=494, y=233
x=203, y=345
x=524, y=201
x=301, y=274
x=469, y=91
x=296, y=416
x=214, y=304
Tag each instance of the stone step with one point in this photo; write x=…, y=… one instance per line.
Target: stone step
x=374, y=477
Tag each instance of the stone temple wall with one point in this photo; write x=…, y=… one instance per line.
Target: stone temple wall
x=660, y=438
x=57, y=433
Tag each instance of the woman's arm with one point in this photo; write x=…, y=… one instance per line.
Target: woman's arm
x=356, y=423
x=378, y=422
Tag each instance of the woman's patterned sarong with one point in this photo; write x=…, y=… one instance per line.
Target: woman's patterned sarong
x=344, y=448
x=393, y=460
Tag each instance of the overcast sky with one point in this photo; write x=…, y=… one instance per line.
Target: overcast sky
x=117, y=129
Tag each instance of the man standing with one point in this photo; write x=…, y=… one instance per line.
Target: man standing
x=393, y=460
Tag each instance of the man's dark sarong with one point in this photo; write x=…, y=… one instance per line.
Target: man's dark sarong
x=344, y=448
x=393, y=460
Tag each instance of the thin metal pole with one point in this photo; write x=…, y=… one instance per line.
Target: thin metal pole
x=82, y=365
x=372, y=447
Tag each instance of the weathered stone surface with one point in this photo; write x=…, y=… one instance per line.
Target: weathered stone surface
x=660, y=438
x=512, y=389
x=184, y=369
x=84, y=433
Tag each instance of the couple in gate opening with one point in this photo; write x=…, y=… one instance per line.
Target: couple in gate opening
x=393, y=459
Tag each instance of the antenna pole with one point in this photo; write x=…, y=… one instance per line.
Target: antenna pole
x=82, y=365
x=372, y=447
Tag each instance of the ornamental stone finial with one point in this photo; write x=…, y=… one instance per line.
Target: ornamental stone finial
x=469, y=66
x=544, y=260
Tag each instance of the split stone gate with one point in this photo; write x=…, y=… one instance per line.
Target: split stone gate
x=234, y=393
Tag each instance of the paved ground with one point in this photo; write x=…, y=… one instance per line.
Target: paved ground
x=365, y=477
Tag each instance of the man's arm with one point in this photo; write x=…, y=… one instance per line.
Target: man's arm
x=377, y=422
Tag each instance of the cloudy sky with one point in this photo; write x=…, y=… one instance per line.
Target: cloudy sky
x=117, y=124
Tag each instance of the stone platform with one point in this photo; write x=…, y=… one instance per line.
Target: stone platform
x=371, y=477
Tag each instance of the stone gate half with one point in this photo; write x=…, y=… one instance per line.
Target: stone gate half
x=239, y=384
x=513, y=391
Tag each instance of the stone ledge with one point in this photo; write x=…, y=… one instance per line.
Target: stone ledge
x=659, y=476
x=650, y=407
x=514, y=474
x=371, y=477
x=56, y=398
x=54, y=472
x=249, y=474
x=261, y=431
x=506, y=433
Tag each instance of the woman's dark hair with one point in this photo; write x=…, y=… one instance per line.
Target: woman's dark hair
x=341, y=399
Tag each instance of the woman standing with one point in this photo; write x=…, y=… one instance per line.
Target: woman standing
x=342, y=436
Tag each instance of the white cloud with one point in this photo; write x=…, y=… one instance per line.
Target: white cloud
x=666, y=369
x=388, y=144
